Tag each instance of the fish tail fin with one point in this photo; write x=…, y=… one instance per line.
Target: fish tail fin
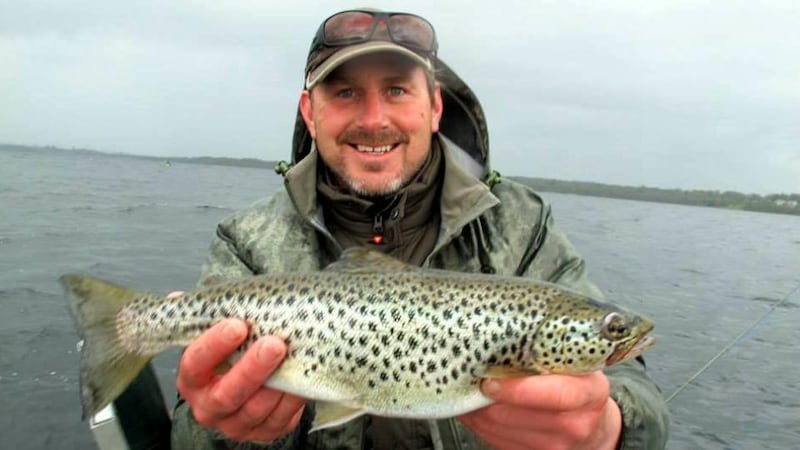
x=107, y=367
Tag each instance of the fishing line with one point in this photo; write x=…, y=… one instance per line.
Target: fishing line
x=732, y=343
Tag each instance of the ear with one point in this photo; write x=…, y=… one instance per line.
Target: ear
x=437, y=108
x=307, y=111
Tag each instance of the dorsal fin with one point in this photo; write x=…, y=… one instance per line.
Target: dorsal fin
x=366, y=260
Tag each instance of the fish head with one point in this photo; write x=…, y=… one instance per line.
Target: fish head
x=584, y=336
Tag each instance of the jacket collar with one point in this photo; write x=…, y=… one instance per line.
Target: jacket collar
x=464, y=195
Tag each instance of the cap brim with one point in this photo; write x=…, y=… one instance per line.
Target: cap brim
x=354, y=51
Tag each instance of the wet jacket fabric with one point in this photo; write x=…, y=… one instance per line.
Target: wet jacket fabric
x=503, y=228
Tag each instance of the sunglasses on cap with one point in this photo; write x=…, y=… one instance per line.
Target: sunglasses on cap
x=357, y=26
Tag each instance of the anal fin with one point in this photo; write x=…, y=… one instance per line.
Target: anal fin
x=331, y=414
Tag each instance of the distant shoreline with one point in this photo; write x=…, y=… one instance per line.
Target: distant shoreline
x=771, y=203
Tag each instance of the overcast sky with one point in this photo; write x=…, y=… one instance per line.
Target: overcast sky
x=668, y=93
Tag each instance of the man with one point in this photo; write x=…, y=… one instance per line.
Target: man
x=390, y=151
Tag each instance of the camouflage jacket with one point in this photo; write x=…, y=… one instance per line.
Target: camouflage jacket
x=506, y=229
x=502, y=228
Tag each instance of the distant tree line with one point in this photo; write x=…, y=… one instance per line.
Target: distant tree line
x=772, y=203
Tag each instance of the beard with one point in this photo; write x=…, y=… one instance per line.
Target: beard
x=386, y=188
x=389, y=184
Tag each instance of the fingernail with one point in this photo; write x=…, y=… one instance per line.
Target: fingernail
x=267, y=353
x=491, y=387
x=231, y=332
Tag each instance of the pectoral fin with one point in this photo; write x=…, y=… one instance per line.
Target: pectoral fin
x=332, y=414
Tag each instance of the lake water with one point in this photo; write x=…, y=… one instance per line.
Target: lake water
x=704, y=275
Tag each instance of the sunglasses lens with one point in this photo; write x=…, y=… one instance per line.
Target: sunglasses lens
x=349, y=26
x=412, y=31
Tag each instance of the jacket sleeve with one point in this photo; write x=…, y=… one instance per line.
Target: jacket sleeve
x=223, y=263
x=644, y=412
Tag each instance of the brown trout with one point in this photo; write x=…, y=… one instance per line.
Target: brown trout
x=366, y=335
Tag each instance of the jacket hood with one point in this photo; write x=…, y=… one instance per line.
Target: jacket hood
x=463, y=123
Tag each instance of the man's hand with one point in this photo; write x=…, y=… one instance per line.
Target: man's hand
x=237, y=403
x=548, y=412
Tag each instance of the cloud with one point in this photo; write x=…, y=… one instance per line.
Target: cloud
x=674, y=94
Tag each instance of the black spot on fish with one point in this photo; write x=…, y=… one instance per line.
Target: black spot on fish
x=412, y=367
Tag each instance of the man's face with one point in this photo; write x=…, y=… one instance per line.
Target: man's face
x=372, y=120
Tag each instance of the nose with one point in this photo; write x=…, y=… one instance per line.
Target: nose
x=373, y=111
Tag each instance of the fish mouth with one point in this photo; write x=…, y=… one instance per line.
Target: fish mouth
x=630, y=349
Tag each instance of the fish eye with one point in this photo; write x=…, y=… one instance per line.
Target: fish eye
x=615, y=326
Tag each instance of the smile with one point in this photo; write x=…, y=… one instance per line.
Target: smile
x=374, y=150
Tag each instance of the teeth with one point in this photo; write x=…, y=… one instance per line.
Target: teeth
x=368, y=149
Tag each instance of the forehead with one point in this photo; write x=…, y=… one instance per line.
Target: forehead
x=381, y=65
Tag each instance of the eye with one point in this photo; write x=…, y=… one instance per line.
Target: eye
x=345, y=93
x=615, y=326
x=396, y=91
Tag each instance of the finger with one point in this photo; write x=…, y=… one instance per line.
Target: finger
x=285, y=412
x=507, y=416
x=212, y=348
x=265, y=433
x=500, y=436
x=259, y=406
x=550, y=392
x=252, y=415
x=247, y=375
